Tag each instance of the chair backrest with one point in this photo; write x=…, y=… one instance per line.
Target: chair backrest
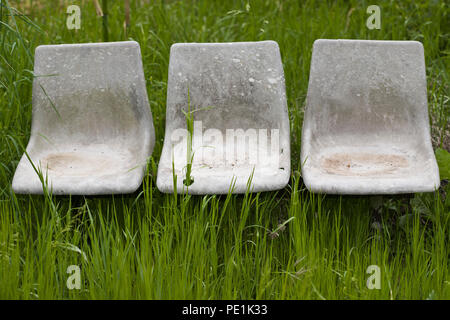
x=361, y=88
x=237, y=85
x=91, y=93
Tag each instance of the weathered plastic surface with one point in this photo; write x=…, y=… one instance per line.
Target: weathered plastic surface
x=92, y=128
x=366, y=127
x=231, y=86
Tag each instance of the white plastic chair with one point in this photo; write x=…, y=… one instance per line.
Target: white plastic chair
x=240, y=123
x=92, y=128
x=366, y=127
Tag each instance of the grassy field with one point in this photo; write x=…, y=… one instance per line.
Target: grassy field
x=289, y=244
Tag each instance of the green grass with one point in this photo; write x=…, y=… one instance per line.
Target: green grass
x=289, y=244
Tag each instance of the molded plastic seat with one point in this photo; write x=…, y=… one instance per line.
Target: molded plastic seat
x=241, y=123
x=366, y=127
x=92, y=128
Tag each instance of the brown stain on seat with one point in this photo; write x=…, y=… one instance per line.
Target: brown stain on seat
x=363, y=164
x=72, y=164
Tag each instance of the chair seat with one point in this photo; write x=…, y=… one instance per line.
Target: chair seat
x=369, y=170
x=80, y=170
x=218, y=174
